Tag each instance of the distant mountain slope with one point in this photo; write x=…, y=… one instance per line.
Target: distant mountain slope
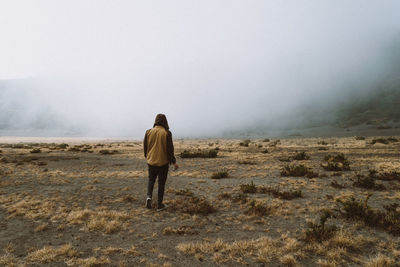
x=380, y=107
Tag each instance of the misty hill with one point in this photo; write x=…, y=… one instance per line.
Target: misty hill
x=381, y=108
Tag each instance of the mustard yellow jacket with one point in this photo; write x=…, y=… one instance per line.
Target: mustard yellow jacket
x=158, y=146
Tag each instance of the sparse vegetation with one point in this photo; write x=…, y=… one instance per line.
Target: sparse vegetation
x=192, y=205
x=360, y=138
x=298, y=171
x=182, y=230
x=248, y=188
x=384, y=141
x=355, y=209
x=386, y=176
x=257, y=208
x=220, y=175
x=241, y=197
x=301, y=156
x=320, y=232
x=108, y=152
x=276, y=192
x=199, y=154
x=92, y=201
x=36, y=150
x=336, y=163
x=246, y=162
x=335, y=184
x=367, y=182
x=245, y=143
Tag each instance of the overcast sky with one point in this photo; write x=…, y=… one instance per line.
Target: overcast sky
x=209, y=66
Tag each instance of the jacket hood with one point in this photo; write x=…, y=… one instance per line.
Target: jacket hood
x=161, y=120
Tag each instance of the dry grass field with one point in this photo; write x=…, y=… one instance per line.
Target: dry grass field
x=288, y=202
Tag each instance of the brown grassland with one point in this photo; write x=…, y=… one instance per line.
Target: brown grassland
x=288, y=202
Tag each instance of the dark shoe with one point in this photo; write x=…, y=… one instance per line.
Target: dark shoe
x=161, y=207
x=148, y=202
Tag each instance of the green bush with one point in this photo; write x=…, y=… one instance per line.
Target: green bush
x=248, y=188
x=192, y=205
x=335, y=184
x=220, y=175
x=367, y=182
x=36, y=150
x=199, y=154
x=298, y=171
x=355, y=209
x=245, y=143
x=301, y=156
x=320, y=231
x=336, y=163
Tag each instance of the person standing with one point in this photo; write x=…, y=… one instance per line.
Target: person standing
x=159, y=153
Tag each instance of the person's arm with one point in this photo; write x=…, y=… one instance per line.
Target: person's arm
x=170, y=150
x=145, y=144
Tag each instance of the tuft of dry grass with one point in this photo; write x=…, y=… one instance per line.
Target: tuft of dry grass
x=220, y=175
x=381, y=260
x=258, y=208
x=89, y=262
x=108, y=152
x=192, y=205
x=49, y=254
x=182, y=230
x=102, y=220
x=264, y=250
x=338, y=162
x=298, y=171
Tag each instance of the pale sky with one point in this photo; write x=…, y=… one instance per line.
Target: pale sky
x=204, y=63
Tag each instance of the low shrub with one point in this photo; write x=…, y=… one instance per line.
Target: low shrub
x=182, y=230
x=241, y=197
x=298, y=171
x=36, y=150
x=276, y=192
x=356, y=209
x=184, y=192
x=386, y=176
x=246, y=162
x=248, y=188
x=257, y=208
x=220, y=175
x=301, y=156
x=384, y=141
x=360, y=138
x=367, y=182
x=199, y=154
x=320, y=231
x=335, y=184
x=224, y=195
x=336, y=163
x=245, y=143
x=287, y=195
x=192, y=205
x=107, y=152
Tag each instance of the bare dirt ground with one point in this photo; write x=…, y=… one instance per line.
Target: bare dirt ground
x=82, y=204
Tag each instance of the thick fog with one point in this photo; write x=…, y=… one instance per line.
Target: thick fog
x=106, y=68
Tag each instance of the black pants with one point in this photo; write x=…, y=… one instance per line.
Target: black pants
x=161, y=172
